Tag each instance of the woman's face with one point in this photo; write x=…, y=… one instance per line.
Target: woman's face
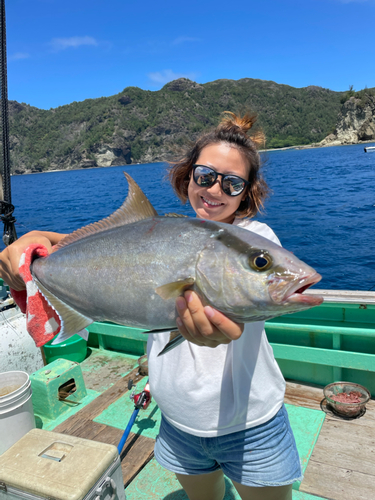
x=212, y=203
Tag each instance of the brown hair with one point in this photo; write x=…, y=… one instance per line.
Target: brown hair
x=231, y=130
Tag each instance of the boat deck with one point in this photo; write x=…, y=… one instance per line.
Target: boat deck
x=342, y=464
x=339, y=455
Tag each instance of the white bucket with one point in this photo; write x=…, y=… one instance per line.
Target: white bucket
x=16, y=408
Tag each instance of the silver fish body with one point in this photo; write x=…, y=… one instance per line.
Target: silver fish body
x=132, y=273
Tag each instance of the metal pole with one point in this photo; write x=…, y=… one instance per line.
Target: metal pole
x=7, y=208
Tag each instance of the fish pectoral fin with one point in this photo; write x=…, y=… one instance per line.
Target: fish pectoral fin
x=175, y=289
x=72, y=322
x=175, y=339
x=173, y=214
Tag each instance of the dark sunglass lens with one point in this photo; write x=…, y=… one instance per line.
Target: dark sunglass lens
x=204, y=176
x=233, y=185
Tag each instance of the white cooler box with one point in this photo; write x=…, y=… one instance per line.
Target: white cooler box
x=46, y=464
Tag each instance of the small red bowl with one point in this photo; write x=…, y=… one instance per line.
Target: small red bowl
x=346, y=398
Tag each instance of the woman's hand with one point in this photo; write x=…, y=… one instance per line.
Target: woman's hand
x=204, y=325
x=10, y=256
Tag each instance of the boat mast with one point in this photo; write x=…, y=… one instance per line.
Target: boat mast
x=6, y=207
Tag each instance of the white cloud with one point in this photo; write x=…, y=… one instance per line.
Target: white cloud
x=72, y=42
x=18, y=55
x=185, y=39
x=167, y=75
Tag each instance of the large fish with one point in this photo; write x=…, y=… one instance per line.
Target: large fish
x=130, y=267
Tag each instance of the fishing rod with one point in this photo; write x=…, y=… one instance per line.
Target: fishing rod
x=6, y=207
x=141, y=400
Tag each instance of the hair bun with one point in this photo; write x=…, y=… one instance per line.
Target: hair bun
x=244, y=123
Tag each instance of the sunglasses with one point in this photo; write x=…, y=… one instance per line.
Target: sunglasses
x=232, y=185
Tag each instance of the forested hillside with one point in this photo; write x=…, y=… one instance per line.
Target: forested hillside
x=145, y=126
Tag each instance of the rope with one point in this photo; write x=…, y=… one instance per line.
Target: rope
x=6, y=207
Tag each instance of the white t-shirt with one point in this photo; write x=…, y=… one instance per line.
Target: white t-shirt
x=211, y=392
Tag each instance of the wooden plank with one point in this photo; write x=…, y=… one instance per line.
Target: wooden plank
x=298, y=394
x=137, y=452
x=88, y=431
x=103, y=433
x=337, y=483
x=347, y=446
x=136, y=456
x=98, y=432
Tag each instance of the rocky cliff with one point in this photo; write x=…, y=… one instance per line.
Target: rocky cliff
x=355, y=122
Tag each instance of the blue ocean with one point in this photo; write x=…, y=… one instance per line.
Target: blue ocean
x=322, y=205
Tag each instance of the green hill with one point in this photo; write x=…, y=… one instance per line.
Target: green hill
x=145, y=126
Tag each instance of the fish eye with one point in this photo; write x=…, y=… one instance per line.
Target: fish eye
x=260, y=262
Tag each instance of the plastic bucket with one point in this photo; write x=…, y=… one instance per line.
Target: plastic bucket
x=73, y=349
x=16, y=408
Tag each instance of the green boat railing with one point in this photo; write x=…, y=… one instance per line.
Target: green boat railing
x=334, y=341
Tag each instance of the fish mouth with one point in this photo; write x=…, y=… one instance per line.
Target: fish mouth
x=293, y=294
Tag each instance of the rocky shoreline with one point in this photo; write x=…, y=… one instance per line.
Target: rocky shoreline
x=304, y=146
x=355, y=123
x=316, y=145
x=151, y=141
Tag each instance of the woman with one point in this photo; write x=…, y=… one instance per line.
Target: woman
x=222, y=409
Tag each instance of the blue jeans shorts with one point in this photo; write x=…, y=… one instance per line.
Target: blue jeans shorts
x=265, y=455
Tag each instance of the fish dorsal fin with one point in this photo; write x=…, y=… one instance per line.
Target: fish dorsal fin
x=136, y=207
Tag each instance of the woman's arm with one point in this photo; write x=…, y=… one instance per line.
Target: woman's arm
x=10, y=256
x=204, y=325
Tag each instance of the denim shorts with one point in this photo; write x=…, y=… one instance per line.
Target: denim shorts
x=265, y=455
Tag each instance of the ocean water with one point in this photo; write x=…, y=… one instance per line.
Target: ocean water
x=322, y=206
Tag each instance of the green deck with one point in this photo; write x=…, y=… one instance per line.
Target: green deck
x=335, y=341
x=306, y=423
x=153, y=481
x=156, y=483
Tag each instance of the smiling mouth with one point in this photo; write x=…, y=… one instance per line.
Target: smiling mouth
x=211, y=203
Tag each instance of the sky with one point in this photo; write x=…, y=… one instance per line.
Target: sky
x=64, y=51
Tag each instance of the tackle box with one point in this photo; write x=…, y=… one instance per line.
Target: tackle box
x=47, y=465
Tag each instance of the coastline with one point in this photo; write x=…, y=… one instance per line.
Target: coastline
x=316, y=146
x=298, y=147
